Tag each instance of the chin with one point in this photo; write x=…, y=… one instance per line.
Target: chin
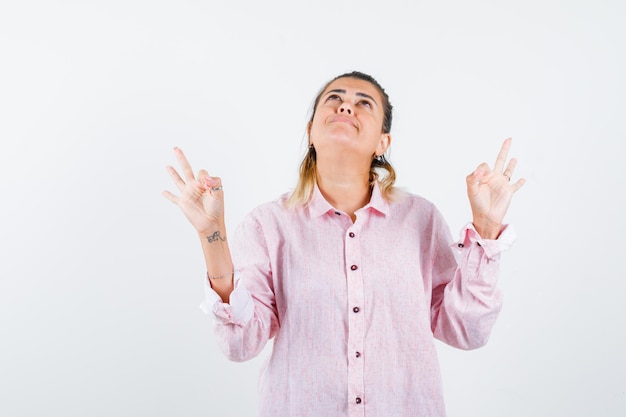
x=343, y=134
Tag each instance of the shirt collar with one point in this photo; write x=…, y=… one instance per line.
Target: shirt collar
x=377, y=201
x=319, y=206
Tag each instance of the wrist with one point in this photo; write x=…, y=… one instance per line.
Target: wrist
x=211, y=228
x=487, y=229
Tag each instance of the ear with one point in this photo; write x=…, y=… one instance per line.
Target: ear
x=385, y=141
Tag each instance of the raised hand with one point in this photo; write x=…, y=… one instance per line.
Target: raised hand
x=490, y=193
x=201, y=198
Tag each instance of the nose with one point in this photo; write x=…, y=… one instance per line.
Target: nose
x=345, y=108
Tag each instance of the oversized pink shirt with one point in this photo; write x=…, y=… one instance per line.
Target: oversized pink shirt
x=353, y=308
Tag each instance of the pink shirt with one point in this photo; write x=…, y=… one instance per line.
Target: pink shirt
x=354, y=308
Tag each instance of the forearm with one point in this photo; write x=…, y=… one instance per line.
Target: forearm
x=219, y=264
x=470, y=307
x=466, y=306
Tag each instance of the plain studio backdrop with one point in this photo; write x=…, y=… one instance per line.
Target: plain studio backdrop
x=101, y=277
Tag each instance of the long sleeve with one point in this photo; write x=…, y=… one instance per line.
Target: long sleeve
x=466, y=298
x=244, y=326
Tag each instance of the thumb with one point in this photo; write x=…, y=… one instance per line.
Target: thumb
x=202, y=174
x=475, y=179
x=202, y=177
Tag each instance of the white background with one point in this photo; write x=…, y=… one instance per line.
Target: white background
x=101, y=277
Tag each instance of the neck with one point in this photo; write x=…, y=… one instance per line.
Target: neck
x=345, y=188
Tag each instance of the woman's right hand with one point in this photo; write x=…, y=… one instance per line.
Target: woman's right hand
x=201, y=198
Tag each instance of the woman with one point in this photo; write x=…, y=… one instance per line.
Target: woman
x=351, y=277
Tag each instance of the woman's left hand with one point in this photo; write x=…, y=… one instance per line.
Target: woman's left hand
x=490, y=193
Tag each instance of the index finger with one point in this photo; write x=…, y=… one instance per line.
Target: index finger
x=501, y=159
x=184, y=164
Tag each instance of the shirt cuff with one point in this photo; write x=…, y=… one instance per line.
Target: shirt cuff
x=240, y=309
x=492, y=247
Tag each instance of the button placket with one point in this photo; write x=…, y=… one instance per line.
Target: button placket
x=356, y=318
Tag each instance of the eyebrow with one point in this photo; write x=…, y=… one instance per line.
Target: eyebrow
x=341, y=91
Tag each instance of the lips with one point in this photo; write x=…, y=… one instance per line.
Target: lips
x=342, y=119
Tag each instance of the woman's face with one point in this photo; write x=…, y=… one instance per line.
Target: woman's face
x=349, y=118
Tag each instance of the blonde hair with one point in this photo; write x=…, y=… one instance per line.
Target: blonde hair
x=308, y=168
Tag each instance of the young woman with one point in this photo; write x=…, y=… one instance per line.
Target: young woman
x=352, y=278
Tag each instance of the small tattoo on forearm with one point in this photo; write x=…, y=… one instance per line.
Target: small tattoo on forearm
x=215, y=237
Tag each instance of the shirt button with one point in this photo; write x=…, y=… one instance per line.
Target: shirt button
x=337, y=213
x=358, y=400
x=354, y=267
x=461, y=245
x=358, y=354
x=356, y=309
x=351, y=234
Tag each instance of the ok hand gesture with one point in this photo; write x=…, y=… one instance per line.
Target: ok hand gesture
x=201, y=198
x=490, y=193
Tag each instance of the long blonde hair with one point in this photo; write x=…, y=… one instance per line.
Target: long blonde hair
x=308, y=168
